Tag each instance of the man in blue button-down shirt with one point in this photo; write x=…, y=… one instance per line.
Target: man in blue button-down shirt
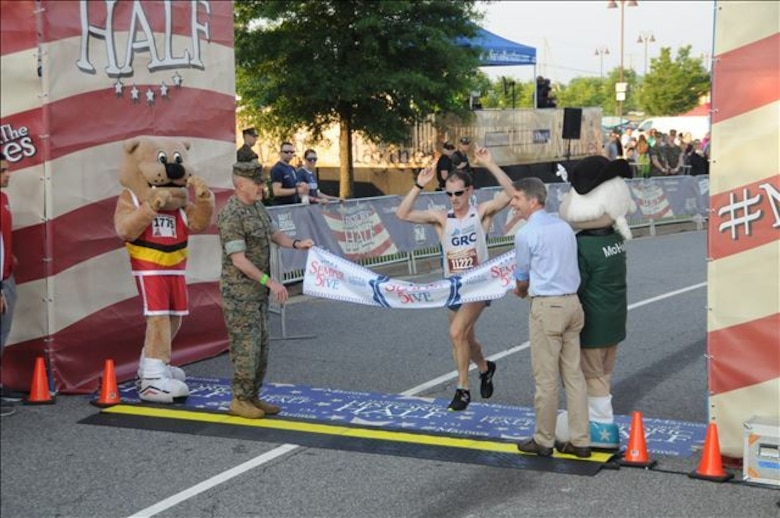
x=546, y=254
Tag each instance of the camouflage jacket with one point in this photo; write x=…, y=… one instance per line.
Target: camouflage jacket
x=248, y=229
x=245, y=154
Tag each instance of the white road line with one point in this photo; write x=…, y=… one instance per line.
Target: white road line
x=665, y=295
x=287, y=448
x=215, y=481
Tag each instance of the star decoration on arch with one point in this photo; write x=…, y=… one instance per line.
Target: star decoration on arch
x=177, y=80
x=150, y=96
x=163, y=90
x=134, y=93
x=118, y=86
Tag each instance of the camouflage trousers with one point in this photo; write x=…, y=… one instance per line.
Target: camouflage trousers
x=247, y=327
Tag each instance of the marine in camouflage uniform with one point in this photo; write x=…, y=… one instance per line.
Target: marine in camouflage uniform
x=245, y=153
x=245, y=227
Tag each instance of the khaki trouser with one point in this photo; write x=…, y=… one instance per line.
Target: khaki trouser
x=555, y=324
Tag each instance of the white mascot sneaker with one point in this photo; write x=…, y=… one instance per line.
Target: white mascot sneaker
x=156, y=385
x=173, y=372
x=604, y=433
x=603, y=436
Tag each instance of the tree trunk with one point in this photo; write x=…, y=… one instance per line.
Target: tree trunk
x=346, y=171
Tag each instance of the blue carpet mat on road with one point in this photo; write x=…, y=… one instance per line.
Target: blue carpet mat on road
x=418, y=414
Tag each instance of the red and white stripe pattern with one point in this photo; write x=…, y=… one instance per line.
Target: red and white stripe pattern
x=744, y=228
x=360, y=232
x=63, y=133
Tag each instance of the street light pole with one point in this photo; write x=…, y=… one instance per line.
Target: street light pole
x=612, y=5
x=600, y=52
x=646, y=37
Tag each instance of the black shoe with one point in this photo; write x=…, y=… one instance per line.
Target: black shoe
x=530, y=446
x=9, y=396
x=486, y=381
x=460, y=401
x=582, y=452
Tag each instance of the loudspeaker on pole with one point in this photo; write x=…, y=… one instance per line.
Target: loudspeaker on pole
x=572, y=123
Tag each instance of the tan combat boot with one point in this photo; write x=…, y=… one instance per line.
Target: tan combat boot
x=245, y=408
x=267, y=408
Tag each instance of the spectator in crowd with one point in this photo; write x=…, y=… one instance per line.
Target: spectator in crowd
x=652, y=137
x=308, y=174
x=657, y=154
x=8, y=282
x=625, y=138
x=629, y=151
x=463, y=232
x=642, y=157
x=696, y=162
x=284, y=180
x=547, y=271
x=245, y=153
x=460, y=158
x=673, y=154
x=246, y=232
x=444, y=164
x=612, y=149
x=705, y=146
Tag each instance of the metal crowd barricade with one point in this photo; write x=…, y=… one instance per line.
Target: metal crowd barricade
x=686, y=198
x=281, y=309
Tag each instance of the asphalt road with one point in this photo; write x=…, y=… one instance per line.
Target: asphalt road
x=54, y=467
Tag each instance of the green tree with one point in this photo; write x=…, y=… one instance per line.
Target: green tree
x=498, y=94
x=582, y=91
x=371, y=66
x=674, y=87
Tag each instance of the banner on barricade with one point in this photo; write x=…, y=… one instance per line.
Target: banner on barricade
x=362, y=229
x=329, y=276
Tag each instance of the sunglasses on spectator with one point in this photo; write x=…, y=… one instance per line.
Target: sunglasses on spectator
x=311, y=158
x=456, y=193
x=288, y=151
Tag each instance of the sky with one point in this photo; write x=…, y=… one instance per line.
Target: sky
x=566, y=34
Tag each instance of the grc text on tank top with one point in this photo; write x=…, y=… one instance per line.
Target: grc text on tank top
x=464, y=244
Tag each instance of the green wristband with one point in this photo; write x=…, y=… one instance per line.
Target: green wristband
x=264, y=279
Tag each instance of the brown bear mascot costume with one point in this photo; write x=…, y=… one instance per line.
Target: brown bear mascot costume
x=597, y=205
x=154, y=217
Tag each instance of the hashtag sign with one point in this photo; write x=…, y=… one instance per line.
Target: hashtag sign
x=739, y=213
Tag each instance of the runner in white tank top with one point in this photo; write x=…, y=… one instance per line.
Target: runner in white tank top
x=463, y=234
x=464, y=243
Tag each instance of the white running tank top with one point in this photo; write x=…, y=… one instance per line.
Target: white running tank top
x=464, y=244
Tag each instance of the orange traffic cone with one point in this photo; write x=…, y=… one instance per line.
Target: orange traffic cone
x=636, y=453
x=39, y=388
x=711, y=465
x=109, y=393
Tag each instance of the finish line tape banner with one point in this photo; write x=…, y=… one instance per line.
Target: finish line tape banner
x=332, y=277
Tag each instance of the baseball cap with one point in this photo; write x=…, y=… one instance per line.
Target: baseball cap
x=465, y=140
x=250, y=131
x=251, y=169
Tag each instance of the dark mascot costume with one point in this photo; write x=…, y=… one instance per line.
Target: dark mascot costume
x=596, y=205
x=154, y=217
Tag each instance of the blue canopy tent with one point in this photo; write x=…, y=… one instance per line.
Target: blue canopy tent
x=501, y=52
